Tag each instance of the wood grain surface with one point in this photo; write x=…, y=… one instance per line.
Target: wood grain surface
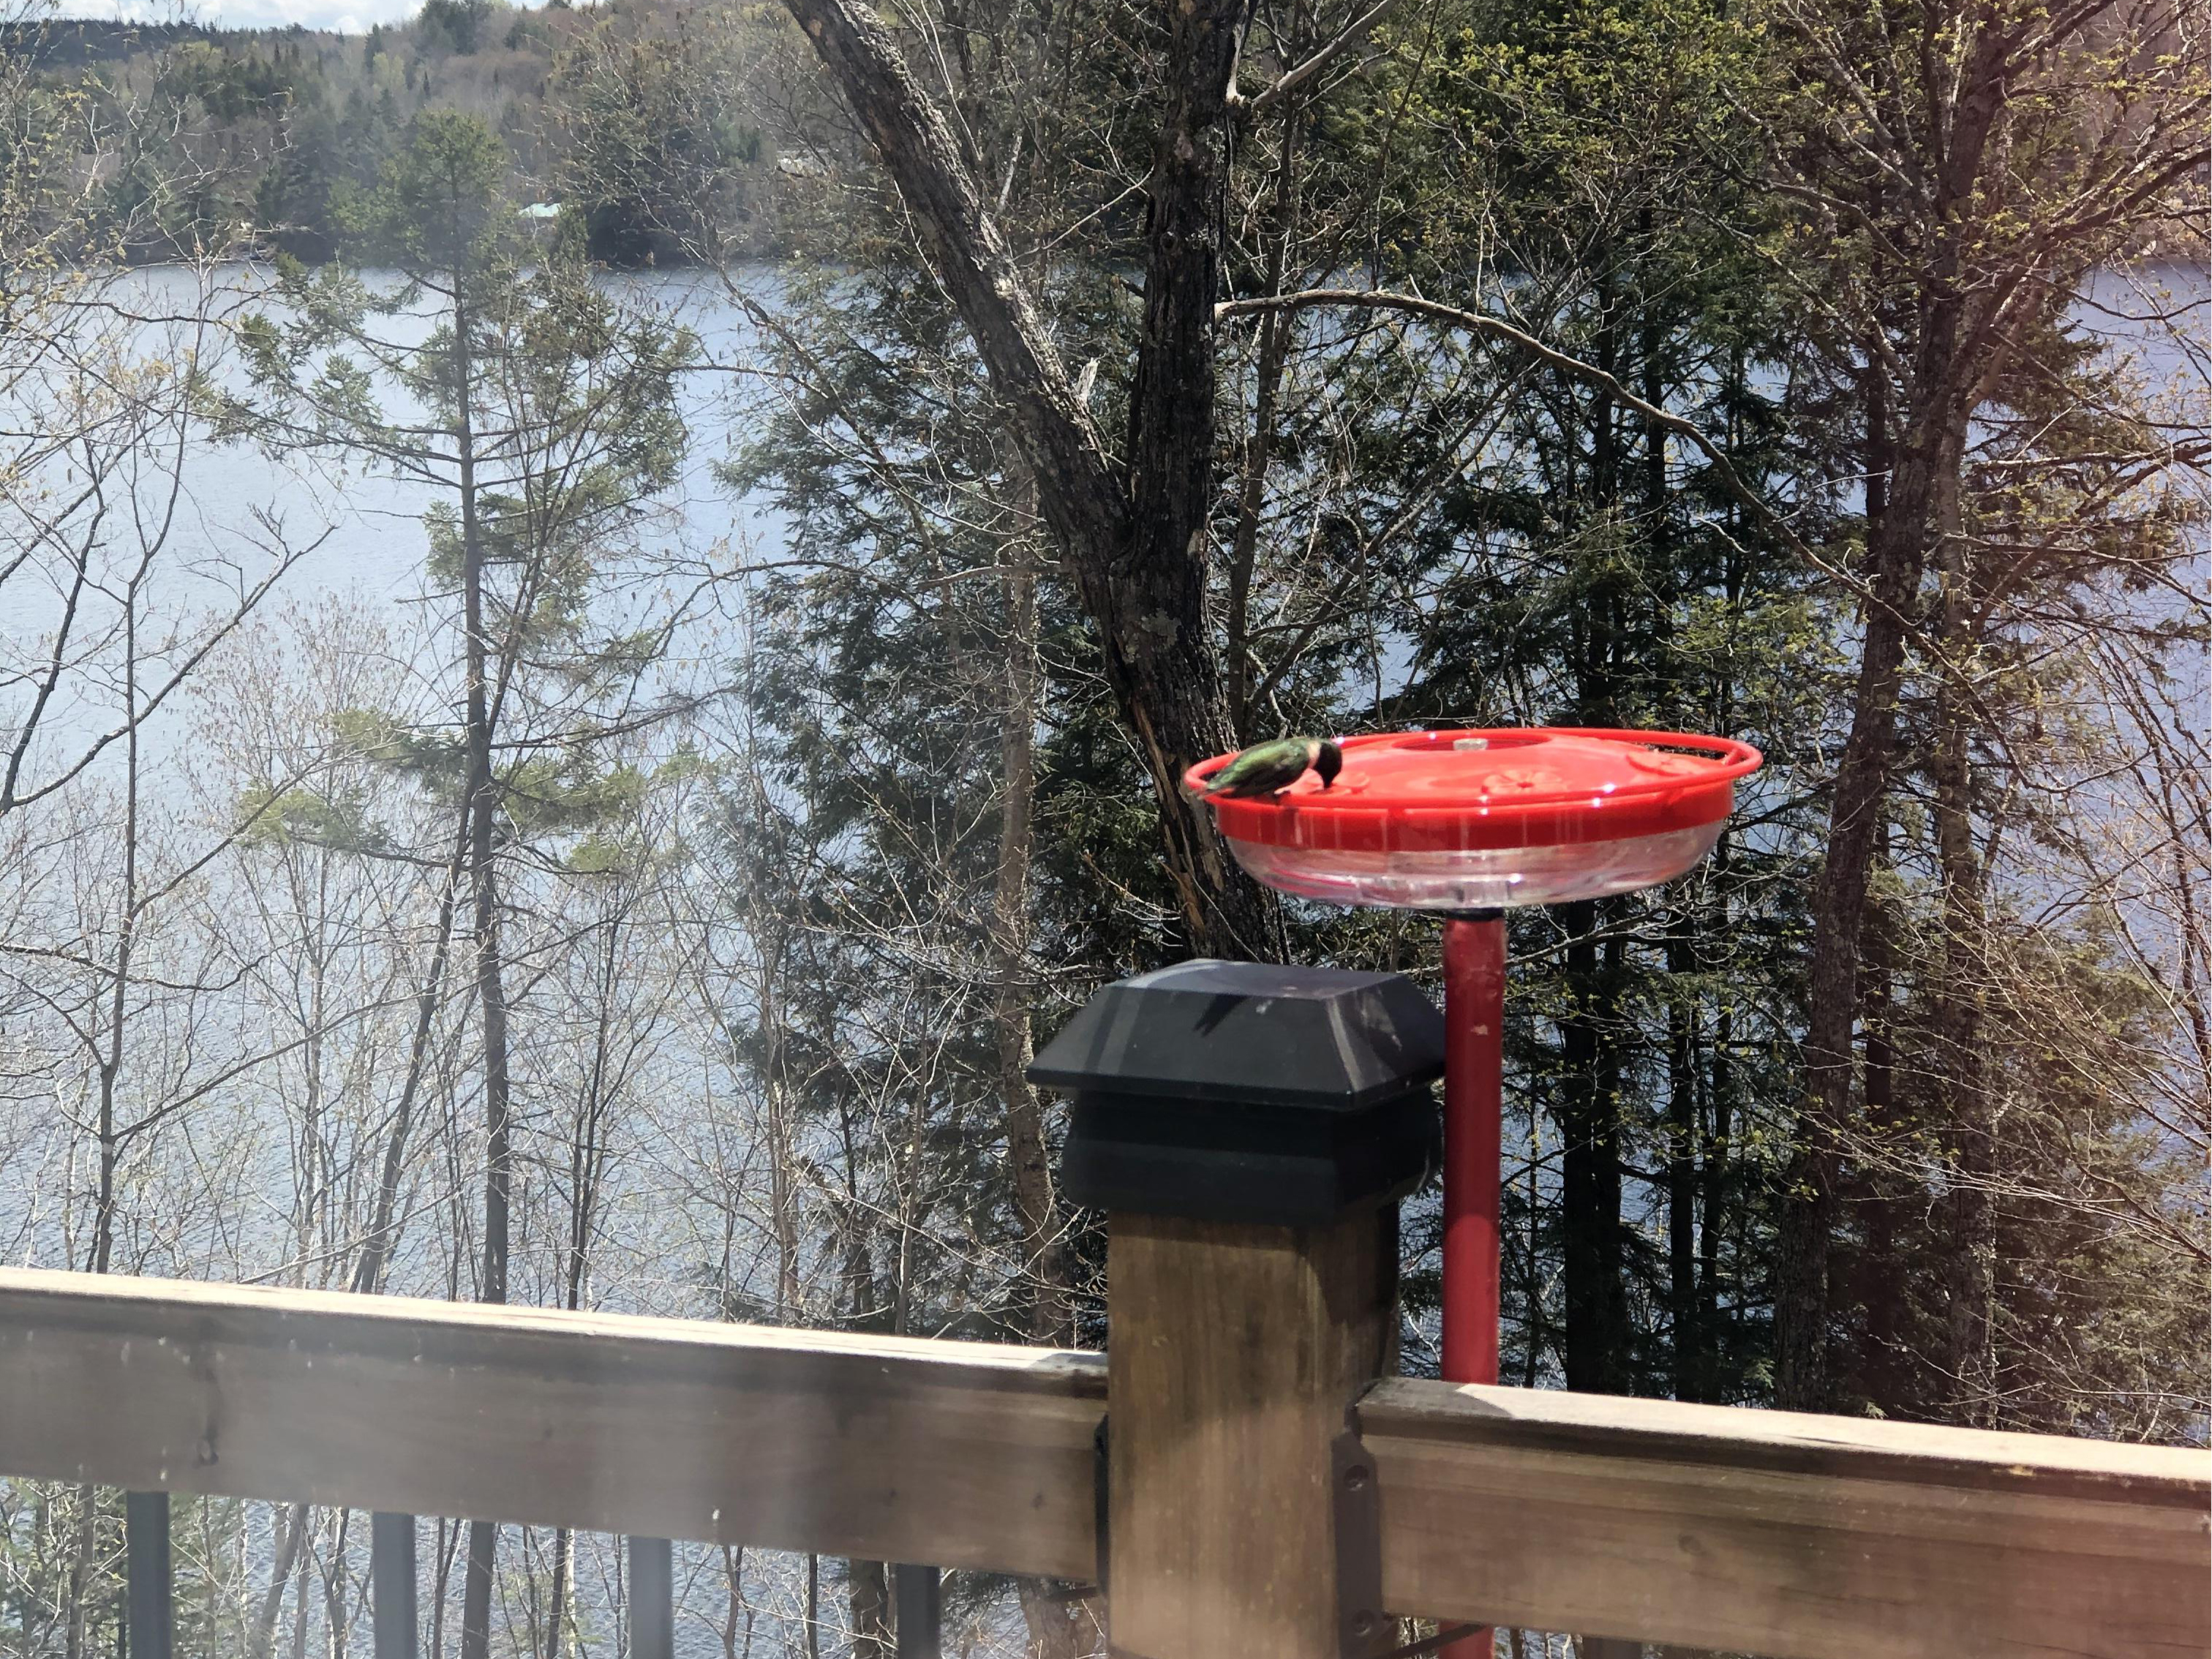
x=958, y=1454
x=1773, y=1533
x=1234, y=1353
x=1745, y=1531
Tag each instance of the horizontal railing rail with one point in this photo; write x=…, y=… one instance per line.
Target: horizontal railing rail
x=1817, y=1538
x=965, y=1455
x=1785, y=1533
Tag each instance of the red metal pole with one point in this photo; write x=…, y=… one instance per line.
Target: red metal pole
x=1474, y=1017
x=1474, y=1011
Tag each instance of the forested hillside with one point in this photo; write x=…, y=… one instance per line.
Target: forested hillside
x=208, y=142
x=655, y=908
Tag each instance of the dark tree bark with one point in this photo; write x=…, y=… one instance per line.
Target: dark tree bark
x=1715, y=1195
x=1683, y=1041
x=867, y=1604
x=1043, y=1313
x=1596, y=1357
x=1969, y=1120
x=1133, y=532
x=1882, y=1280
x=1593, y=1268
x=1940, y=397
x=1275, y=336
x=491, y=993
x=1809, y=1211
x=1940, y=386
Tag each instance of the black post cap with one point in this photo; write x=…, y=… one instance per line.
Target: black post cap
x=1248, y=1092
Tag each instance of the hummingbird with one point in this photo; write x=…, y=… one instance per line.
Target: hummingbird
x=1267, y=769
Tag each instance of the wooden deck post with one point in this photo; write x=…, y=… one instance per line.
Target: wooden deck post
x=1234, y=1352
x=1249, y=1130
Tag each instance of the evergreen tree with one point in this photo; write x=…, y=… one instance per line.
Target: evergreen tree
x=544, y=414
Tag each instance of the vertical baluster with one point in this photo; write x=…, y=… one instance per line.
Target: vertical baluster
x=392, y=1585
x=652, y=1599
x=146, y=1563
x=918, y=1593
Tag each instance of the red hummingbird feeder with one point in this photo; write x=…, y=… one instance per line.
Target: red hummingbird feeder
x=1464, y=824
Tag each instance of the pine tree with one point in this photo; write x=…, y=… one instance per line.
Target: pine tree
x=544, y=415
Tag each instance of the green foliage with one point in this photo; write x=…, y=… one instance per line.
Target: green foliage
x=437, y=203
x=228, y=87
x=337, y=820
x=658, y=157
x=565, y=401
x=457, y=26
x=222, y=139
x=877, y=675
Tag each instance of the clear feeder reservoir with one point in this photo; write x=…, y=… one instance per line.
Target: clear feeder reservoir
x=1476, y=820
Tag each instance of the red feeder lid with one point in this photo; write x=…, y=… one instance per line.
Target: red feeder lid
x=1443, y=792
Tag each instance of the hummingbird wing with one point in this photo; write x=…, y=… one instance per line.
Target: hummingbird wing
x=1263, y=769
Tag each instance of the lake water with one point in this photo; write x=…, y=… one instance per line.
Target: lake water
x=376, y=543
x=363, y=530
x=366, y=532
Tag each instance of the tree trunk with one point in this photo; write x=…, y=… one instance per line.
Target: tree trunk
x=83, y=1534
x=868, y=1603
x=1683, y=1118
x=1969, y=1126
x=1274, y=329
x=1801, y=1290
x=302, y=1567
x=1596, y=1308
x=291, y=1533
x=336, y=1627
x=1713, y=1196
x=491, y=994
x=587, y=1151
x=1132, y=531
x=556, y=1624
x=1596, y=1346
x=1180, y=712
x=1881, y=1379
x=1042, y=1298
x=770, y=932
x=1965, y=95
x=383, y=1231
x=1927, y=467
x=110, y=1063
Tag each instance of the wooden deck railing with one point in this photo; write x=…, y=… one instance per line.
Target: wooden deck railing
x=1822, y=1538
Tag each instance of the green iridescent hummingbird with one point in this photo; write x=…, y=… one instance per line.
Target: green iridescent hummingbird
x=1267, y=769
